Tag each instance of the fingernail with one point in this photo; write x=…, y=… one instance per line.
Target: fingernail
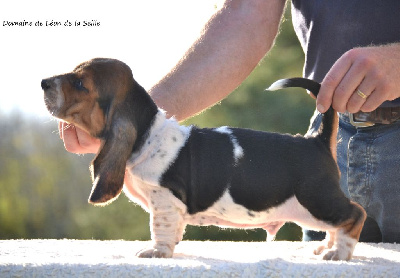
x=320, y=108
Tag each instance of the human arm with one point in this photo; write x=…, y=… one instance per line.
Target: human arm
x=374, y=70
x=231, y=45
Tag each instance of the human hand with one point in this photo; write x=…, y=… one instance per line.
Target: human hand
x=375, y=71
x=76, y=140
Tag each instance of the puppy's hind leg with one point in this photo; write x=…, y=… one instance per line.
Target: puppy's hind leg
x=335, y=213
x=347, y=235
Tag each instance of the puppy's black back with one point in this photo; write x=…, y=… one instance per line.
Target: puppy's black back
x=271, y=168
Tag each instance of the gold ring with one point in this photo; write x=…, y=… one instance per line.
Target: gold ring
x=361, y=94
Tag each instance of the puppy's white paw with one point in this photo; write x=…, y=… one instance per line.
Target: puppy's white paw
x=343, y=248
x=326, y=244
x=319, y=250
x=156, y=252
x=334, y=253
x=338, y=255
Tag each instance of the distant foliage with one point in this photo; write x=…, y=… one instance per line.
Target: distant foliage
x=44, y=189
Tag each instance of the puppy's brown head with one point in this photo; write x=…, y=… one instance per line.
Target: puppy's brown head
x=101, y=97
x=85, y=96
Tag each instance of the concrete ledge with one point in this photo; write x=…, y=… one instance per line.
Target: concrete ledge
x=90, y=258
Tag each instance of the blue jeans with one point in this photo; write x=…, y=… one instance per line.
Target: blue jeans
x=369, y=162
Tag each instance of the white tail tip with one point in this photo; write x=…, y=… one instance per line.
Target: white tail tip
x=277, y=85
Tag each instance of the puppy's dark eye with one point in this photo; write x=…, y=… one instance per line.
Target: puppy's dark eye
x=78, y=84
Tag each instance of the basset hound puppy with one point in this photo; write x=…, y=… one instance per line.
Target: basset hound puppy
x=228, y=177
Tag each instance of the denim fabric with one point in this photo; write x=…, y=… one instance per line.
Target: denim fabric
x=369, y=161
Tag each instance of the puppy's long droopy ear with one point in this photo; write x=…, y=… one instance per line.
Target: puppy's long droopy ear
x=108, y=168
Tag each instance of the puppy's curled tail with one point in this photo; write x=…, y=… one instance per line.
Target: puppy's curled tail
x=327, y=132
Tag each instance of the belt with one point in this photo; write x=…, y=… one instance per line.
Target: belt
x=382, y=115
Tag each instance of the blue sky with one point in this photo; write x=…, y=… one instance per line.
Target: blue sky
x=150, y=36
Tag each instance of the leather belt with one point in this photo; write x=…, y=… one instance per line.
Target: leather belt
x=382, y=115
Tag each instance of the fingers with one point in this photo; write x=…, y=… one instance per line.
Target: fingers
x=128, y=179
x=360, y=95
x=87, y=142
x=70, y=138
x=330, y=83
x=370, y=71
x=76, y=140
x=341, y=82
x=385, y=88
x=60, y=128
x=356, y=101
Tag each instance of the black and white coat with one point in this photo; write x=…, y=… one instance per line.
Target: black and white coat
x=228, y=177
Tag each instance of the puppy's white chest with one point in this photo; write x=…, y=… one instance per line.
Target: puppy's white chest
x=165, y=139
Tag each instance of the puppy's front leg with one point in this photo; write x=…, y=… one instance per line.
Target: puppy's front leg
x=167, y=226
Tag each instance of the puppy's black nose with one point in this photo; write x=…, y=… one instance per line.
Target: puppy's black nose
x=45, y=84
